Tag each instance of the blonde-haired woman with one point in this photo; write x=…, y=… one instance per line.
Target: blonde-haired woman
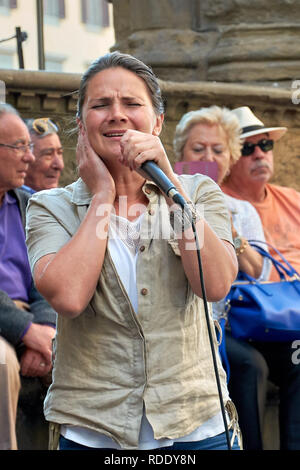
x=213, y=134
x=220, y=123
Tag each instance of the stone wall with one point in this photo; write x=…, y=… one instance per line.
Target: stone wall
x=46, y=94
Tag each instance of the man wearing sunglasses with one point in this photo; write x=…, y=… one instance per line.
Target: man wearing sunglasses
x=279, y=208
x=45, y=171
x=27, y=322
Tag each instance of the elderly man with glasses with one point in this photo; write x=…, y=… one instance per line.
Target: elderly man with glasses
x=45, y=171
x=253, y=363
x=27, y=322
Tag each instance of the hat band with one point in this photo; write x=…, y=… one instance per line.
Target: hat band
x=252, y=128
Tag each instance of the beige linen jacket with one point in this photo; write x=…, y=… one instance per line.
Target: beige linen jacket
x=110, y=360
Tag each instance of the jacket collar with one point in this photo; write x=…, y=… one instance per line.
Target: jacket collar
x=82, y=196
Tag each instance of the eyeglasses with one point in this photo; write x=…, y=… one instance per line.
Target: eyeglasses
x=20, y=148
x=44, y=125
x=265, y=145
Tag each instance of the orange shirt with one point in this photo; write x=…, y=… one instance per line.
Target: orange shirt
x=280, y=216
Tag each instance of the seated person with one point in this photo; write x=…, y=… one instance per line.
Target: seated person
x=213, y=134
x=279, y=210
x=44, y=172
x=27, y=322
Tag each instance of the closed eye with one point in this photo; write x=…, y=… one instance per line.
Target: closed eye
x=99, y=106
x=133, y=103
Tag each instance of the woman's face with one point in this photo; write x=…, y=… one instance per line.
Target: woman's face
x=116, y=100
x=208, y=143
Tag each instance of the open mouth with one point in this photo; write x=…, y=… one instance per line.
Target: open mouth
x=114, y=134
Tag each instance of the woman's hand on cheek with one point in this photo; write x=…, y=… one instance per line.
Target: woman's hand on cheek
x=91, y=167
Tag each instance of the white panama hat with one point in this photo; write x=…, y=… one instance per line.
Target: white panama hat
x=251, y=125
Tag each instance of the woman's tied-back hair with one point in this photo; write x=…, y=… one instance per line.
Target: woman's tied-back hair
x=214, y=115
x=128, y=62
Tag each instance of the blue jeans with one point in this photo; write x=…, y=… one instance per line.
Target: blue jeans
x=218, y=442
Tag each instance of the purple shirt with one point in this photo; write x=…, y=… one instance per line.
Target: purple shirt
x=15, y=274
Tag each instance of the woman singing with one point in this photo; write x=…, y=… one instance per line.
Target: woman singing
x=115, y=258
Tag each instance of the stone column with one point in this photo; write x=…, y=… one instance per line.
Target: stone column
x=220, y=40
x=163, y=33
x=258, y=40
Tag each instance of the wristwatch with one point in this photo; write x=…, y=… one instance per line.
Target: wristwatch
x=240, y=244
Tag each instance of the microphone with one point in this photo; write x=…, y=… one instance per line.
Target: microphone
x=152, y=170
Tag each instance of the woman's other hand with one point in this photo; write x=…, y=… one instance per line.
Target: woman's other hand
x=91, y=167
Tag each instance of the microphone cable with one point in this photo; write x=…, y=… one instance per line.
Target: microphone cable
x=210, y=335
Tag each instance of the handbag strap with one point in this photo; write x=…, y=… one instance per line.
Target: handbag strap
x=260, y=285
x=251, y=280
x=278, y=265
x=280, y=268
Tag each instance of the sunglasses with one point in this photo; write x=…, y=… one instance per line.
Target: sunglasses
x=44, y=125
x=265, y=145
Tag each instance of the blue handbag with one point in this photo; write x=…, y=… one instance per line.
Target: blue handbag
x=266, y=311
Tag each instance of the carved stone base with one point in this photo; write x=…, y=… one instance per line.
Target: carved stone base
x=220, y=40
x=256, y=53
